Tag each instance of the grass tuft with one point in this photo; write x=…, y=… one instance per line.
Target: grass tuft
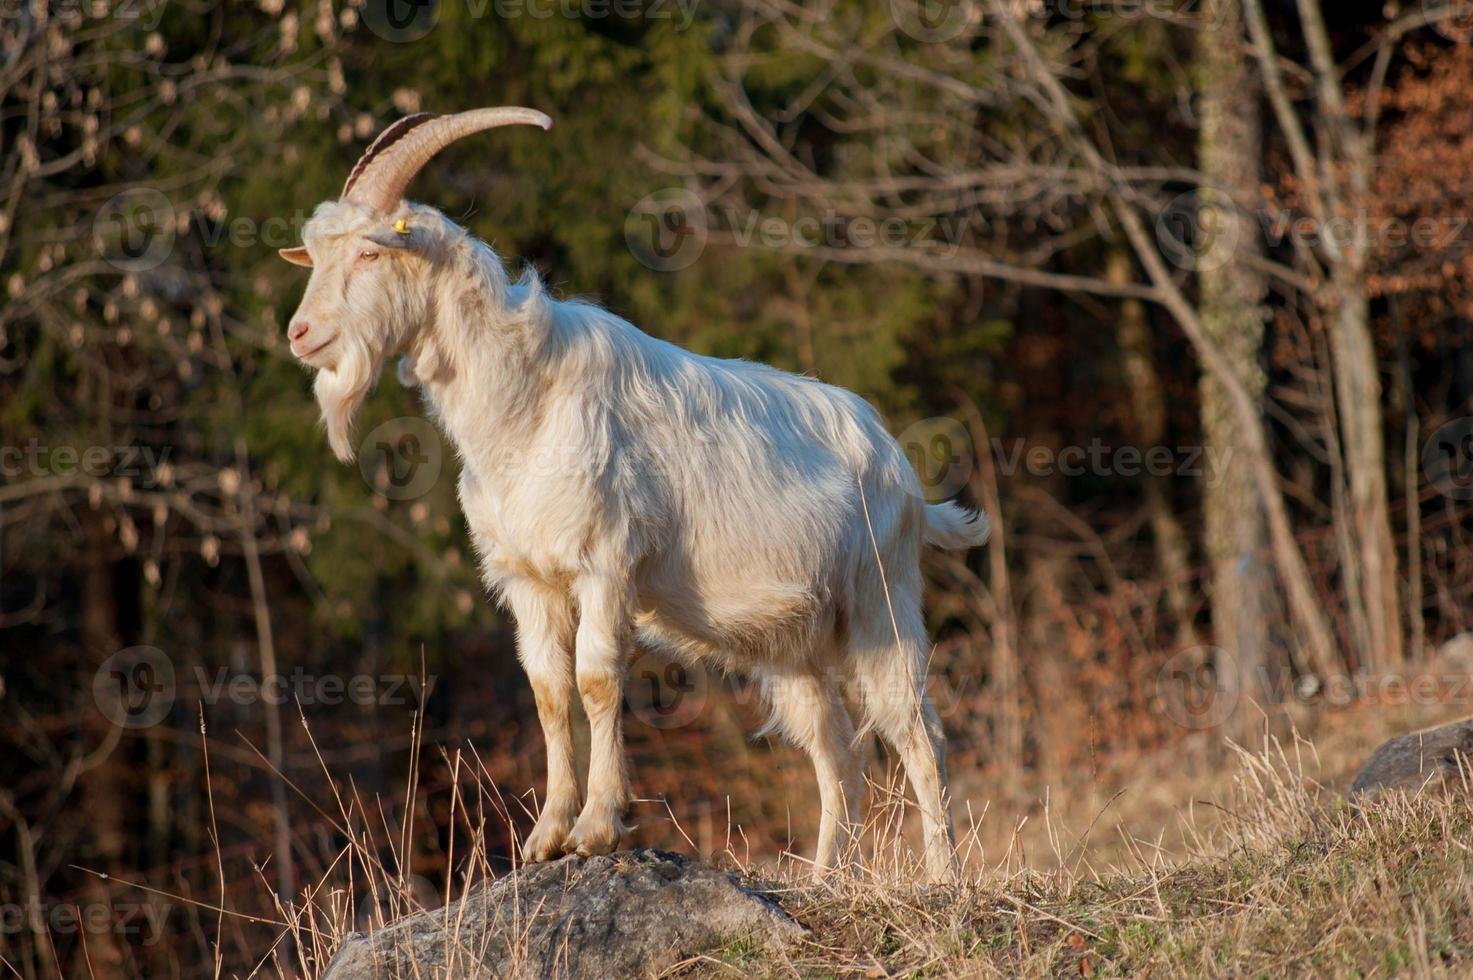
x=1296, y=881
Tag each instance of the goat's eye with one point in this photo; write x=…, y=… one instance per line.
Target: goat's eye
x=368, y=255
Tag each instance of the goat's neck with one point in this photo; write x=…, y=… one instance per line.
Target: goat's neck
x=485, y=388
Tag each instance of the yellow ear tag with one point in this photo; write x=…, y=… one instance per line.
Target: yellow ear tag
x=402, y=226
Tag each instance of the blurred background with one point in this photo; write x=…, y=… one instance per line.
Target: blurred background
x=1176, y=289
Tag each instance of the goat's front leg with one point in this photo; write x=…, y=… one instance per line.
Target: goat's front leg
x=602, y=655
x=545, y=627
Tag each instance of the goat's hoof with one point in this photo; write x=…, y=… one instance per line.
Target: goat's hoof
x=546, y=842
x=587, y=840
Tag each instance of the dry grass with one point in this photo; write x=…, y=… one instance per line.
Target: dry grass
x=1291, y=880
x=1126, y=805
x=1255, y=866
x=1193, y=860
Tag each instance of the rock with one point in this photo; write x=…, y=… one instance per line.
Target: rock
x=1423, y=760
x=631, y=914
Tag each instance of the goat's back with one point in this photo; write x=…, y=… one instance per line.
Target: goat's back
x=768, y=496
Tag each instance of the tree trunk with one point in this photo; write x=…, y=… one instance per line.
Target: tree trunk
x=106, y=792
x=1358, y=391
x=1148, y=406
x=1353, y=349
x=1232, y=297
x=1412, y=491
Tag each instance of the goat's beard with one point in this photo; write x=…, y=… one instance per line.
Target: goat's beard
x=340, y=391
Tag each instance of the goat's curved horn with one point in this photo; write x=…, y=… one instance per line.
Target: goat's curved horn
x=381, y=175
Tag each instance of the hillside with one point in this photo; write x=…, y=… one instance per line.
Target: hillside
x=1282, y=876
x=1385, y=891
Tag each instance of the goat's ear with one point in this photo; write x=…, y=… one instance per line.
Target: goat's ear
x=296, y=256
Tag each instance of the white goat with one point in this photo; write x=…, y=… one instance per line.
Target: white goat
x=720, y=511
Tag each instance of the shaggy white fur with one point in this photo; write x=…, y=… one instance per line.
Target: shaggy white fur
x=621, y=490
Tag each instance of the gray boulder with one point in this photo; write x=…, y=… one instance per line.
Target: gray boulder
x=1432, y=760
x=631, y=914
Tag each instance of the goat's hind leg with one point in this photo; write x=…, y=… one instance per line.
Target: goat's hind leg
x=808, y=710
x=893, y=679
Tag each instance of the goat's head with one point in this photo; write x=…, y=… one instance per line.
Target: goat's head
x=371, y=254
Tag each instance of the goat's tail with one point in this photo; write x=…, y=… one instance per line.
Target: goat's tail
x=954, y=526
